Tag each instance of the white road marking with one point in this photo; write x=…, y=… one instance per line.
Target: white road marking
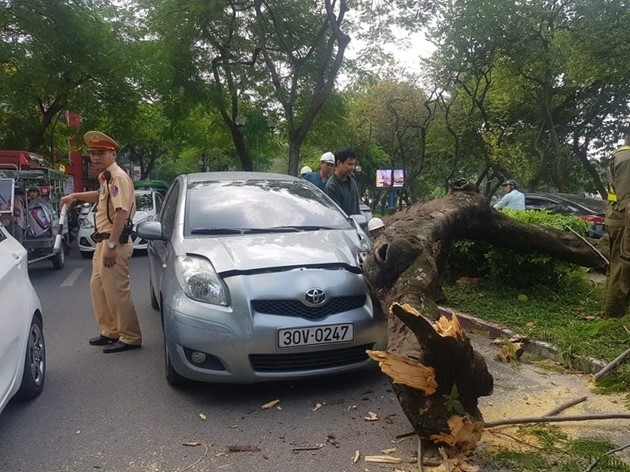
x=72, y=278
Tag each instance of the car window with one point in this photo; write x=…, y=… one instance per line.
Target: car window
x=158, y=202
x=259, y=205
x=538, y=203
x=144, y=202
x=169, y=210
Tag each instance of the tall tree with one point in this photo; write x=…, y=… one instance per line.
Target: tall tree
x=46, y=70
x=303, y=47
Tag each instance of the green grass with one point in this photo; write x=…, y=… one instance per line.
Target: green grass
x=554, y=452
x=553, y=314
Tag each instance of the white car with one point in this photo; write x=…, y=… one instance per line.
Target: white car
x=148, y=204
x=22, y=348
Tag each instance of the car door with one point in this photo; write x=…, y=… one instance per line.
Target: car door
x=159, y=250
x=13, y=317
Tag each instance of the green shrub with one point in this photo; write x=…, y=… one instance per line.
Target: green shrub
x=475, y=258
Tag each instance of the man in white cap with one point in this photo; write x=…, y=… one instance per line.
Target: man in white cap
x=109, y=285
x=326, y=167
x=375, y=227
x=305, y=170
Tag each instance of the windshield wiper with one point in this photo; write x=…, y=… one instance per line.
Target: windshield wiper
x=301, y=228
x=211, y=231
x=275, y=229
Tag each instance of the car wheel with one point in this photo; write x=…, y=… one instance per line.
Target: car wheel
x=59, y=259
x=87, y=254
x=154, y=302
x=172, y=377
x=34, y=363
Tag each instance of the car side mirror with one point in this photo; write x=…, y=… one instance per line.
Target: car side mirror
x=360, y=220
x=150, y=230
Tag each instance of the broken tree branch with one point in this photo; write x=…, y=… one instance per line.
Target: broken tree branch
x=609, y=453
x=564, y=406
x=558, y=419
x=205, y=453
x=611, y=365
x=420, y=467
x=589, y=244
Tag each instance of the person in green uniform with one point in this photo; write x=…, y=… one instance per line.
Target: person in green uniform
x=618, y=228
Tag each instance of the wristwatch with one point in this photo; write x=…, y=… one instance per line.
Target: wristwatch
x=111, y=245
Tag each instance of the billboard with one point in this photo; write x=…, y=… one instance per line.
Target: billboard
x=384, y=178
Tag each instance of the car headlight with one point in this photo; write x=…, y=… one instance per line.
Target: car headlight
x=85, y=223
x=200, y=281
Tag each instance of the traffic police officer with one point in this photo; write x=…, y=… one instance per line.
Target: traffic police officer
x=618, y=228
x=109, y=285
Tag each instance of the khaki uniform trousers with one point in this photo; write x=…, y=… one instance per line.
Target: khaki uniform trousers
x=111, y=296
x=618, y=281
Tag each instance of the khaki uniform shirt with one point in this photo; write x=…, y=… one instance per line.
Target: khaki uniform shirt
x=122, y=195
x=620, y=179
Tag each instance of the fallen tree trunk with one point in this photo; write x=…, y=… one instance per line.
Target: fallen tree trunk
x=435, y=373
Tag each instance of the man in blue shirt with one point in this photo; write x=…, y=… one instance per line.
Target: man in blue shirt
x=326, y=166
x=512, y=198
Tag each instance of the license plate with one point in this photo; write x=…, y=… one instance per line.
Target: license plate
x=338, y=333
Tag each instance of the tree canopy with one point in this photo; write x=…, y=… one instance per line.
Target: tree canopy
x=537, y=90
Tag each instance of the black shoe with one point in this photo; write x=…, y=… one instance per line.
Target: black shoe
x=101, y=340
x=120, y=346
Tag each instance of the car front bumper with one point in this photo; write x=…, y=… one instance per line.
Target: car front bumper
x=241, y=345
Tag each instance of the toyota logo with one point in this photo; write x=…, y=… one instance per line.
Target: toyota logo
x=315, y=297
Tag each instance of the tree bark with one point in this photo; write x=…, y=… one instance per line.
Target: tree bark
x=435, y=373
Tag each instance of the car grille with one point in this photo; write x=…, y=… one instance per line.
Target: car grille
x=309, y=360
x=297, y=308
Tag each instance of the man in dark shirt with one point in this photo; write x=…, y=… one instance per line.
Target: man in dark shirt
x=342, y=185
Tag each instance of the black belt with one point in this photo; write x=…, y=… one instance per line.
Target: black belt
x=100, y=237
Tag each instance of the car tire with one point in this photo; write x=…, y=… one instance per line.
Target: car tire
x=154, y=302
x=34, y=362
x=172, y=377
x=59, y=259
x=87, y=254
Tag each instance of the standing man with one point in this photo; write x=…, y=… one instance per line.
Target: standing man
x=326, y=166
x=618, y=228
x=342, y=185
x=109, y=285
x=512, y=198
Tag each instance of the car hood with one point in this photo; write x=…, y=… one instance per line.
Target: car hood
x=268, y=251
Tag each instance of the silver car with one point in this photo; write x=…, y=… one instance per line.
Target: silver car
x=258, y=277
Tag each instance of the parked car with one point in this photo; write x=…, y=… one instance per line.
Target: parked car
x=22, y=347
x=591, y=210
x=366, y=211
x=148, y=204
x=258, y=277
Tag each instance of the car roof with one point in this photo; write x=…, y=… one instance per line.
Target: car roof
x=230, y=176
x=589, y=203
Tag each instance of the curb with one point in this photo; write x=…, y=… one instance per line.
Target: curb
x=587, y=365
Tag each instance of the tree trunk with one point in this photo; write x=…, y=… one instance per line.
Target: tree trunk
x=435, y=373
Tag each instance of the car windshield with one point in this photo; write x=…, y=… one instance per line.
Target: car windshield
x=144, y=202
x=258, y=206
